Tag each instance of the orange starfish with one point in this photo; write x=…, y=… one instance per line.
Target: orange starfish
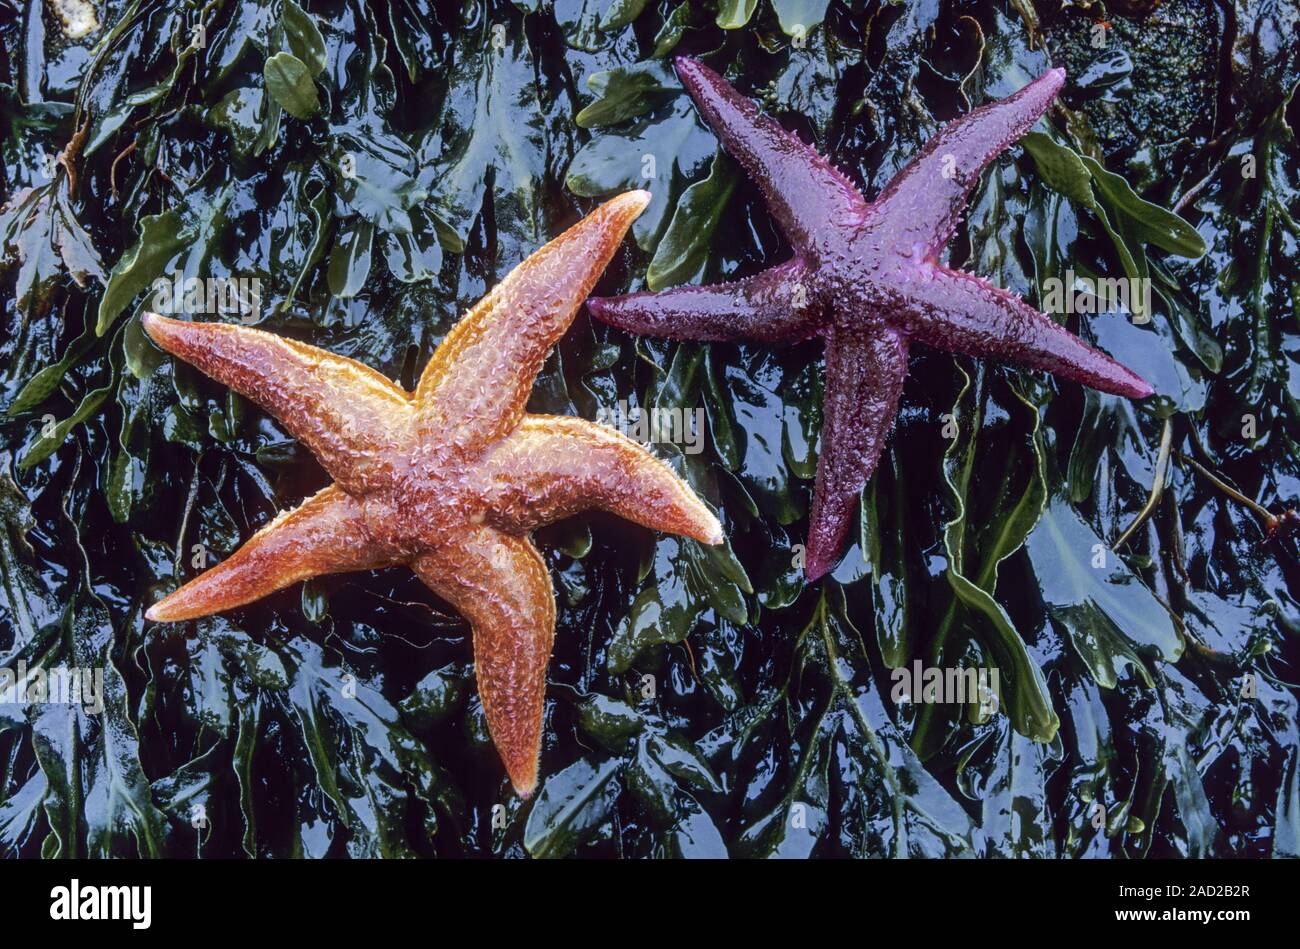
x=448, y=480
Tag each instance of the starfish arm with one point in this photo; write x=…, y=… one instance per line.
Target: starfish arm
x=963, y=313
x=499, y=583
x=346, y=413
x=326, y=534
x=774, y=306
x=923, y=203
x=804, y=191
x=552, y=467
x=478, y=382
x=865, y=367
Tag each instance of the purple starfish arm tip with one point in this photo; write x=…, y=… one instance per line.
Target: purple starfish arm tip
x=964, y=313
x=1055, y=77
x=921, y=206
x=693, y=73
x=804, y=191
x=772, y=306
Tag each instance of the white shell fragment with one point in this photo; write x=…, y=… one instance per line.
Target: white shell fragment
x=77, y=17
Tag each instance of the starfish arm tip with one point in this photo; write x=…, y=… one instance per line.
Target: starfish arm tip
x=771, y=306
x=620, y=311
x=1113, y=377
x=167, y=610
x=157, y=327
x=1046, y=87
x=500, y=584
x=693, y=73
x=555, y=466
x=707, y=528
x=1043, y=88
x=525, y=781
x=638, y=198
x=500, y=345
x=626, y=207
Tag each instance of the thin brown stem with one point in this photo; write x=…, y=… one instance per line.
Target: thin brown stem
x=112, y=172
x=1191, y=193
x=1270, y=522
x=1157, y=484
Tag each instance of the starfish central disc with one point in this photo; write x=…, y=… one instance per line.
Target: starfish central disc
x=866, y=278
x=448, y=480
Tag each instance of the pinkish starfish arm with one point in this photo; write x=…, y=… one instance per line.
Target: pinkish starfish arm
x=804, y=191
x=326, y=534
x=478, y=381
x=921, y=206
x=552, y=467
x=773, y=306
x=963, y=313
x=499, y=583
x=340, y=409
x=865, y=367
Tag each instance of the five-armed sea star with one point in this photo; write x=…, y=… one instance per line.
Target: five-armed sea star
x=866, y=277
x=450, y=479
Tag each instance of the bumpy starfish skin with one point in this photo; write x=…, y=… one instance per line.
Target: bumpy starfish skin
x=866, y=277
x=448, y=480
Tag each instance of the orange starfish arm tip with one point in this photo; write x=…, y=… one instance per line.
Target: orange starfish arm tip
x=507, y=335
x=552, y=467
x=500, y=584
x=326, y=534
x=346, y=413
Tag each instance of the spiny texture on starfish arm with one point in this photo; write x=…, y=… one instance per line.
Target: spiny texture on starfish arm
x=866, y=278
x=448, y=480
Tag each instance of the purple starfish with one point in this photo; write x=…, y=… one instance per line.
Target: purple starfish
x=866, y=277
